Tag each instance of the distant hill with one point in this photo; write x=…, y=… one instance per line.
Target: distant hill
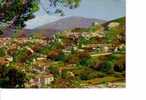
x=67, y=24
x=71, y=23
x=121, y=20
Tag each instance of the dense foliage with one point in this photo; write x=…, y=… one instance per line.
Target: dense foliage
x=16, y=12
x=10, y=77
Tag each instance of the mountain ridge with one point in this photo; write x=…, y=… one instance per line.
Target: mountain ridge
x=67, y=23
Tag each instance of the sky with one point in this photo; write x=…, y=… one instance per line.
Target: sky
x=100, y=9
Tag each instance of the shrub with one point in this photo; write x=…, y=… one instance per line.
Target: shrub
x=82, y=41
x=96, y=74
x=83, y=77
x=85, y=59
x=56, y=54
x=65, y=83
x=87, y=74
x=22, y=55
x=60, y=57
x=53, y=70
x=12, y=78
x=113, y=58
x=119, y=68
x=86, y=62
x=110, y=35
x=106, y=67
x=2, y=52
x=30, y=60
x=1, y=32
x=45, y=50
x=83, y=73
x=92, y=40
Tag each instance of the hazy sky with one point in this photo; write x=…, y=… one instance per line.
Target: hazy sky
x=100, y=9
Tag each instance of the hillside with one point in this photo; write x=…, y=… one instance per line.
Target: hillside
x=49, y=29
x=68, y=23
x=78, y=58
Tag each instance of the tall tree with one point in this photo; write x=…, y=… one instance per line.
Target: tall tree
x=16, y=12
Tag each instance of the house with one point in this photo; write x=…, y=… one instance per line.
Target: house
x=3, y=61
x=41, y=80
x=90, y=47
x=113, y=25
x=34, y=83
x=48, y=79
x=10, y=59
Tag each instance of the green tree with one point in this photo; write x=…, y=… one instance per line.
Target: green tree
x=16, y=12
x=11, y=77
x=2, y=51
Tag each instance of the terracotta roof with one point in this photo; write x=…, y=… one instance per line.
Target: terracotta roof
x=48, y=76
x=3, y=61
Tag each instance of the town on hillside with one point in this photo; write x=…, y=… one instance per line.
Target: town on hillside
x=92, y=57
x=62, y=44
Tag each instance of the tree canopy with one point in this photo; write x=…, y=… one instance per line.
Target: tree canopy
x=16, y=12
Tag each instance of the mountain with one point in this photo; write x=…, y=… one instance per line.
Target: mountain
x=67, y=24
x=71, y=23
